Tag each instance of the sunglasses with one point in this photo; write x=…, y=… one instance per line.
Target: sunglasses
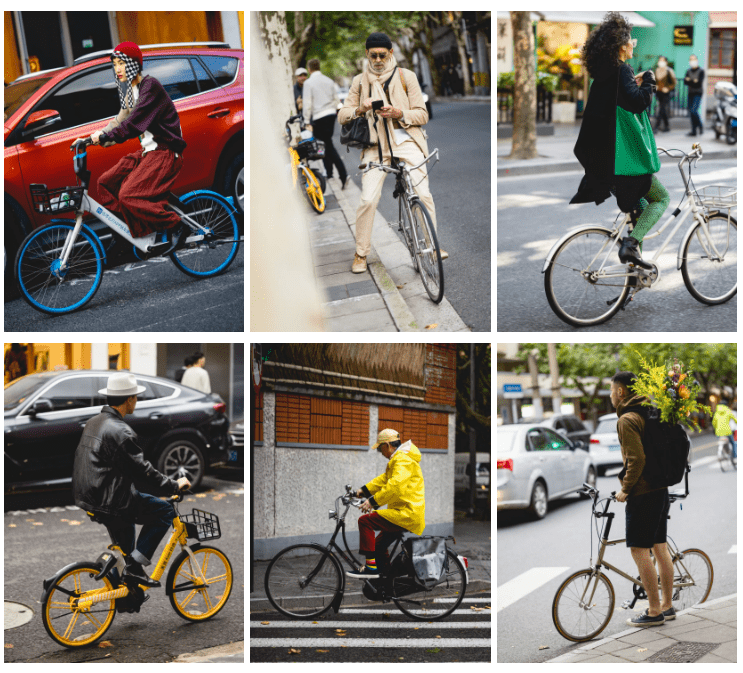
x=377, y=57
x=633, y=43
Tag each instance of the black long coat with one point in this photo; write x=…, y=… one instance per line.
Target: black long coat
x=596, y=146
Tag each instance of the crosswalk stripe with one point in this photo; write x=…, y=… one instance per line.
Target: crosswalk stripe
x=524, y=584
x=370, y=642
x=393, y=610
x=370, y=625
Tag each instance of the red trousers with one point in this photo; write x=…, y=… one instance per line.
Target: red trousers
x=368, y=523
x=137, y=189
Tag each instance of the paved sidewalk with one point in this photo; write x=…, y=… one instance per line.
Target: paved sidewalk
x=556, y=152
x=704, y=634
x=390, y=296
x=234, y=653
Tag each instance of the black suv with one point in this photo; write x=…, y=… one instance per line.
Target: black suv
x=182, y=431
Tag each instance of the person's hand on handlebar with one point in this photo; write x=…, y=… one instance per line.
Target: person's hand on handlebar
x=96, y=137
x=359, y=493
x=183, y=484
x=366, y=506
x=621, y=496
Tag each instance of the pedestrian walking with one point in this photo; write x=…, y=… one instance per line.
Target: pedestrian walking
x=196, y=376
x=616, y=146
x=666, y=83
x=694, y=79
x=405, y=109
x=301, y=74
x=319, y=107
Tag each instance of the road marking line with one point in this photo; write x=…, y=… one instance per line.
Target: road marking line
x=370, y=642
x=524, y=584
x=368, y=625
x=733, y=549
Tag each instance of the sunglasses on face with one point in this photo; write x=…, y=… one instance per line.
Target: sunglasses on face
x=377, y=56
x=633, y=43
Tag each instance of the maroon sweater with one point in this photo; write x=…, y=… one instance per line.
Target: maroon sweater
x=153, y=112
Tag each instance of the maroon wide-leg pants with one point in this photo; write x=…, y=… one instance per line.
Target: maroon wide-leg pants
x=368, y=523
x=137, y=186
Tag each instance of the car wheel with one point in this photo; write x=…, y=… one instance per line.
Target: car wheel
x=590, y=480
x=234, y=181
x=182, y=458
x=538, y=504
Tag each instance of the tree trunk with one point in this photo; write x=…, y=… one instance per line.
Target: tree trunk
x=524, y=90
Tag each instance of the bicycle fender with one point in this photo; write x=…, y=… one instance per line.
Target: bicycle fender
x=572, y=232
x=226, y=200
x=89, y=231
x=686, y=237
x=176, y=562
x=49, y=583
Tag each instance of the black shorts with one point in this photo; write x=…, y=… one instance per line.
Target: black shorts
x=646, y=518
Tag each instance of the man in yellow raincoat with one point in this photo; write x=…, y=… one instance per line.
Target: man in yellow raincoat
x=401, y=489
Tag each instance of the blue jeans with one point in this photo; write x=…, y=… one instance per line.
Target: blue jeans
x=695, y=100
x=156, y=517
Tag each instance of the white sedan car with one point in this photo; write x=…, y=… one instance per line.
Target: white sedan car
x=605, y=449
x=536, y=465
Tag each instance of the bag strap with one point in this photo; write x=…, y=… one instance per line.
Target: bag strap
x=384, y=123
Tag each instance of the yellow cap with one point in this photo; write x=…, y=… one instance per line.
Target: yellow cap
x=386, y=436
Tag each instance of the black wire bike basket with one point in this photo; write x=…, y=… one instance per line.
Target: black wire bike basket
x=311, y=149
x=60, y=200
x=201, y=525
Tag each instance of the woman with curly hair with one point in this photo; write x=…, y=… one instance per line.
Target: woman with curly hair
x=616, y=146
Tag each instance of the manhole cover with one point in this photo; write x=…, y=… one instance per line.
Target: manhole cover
x=17, y=614
x=683, y=653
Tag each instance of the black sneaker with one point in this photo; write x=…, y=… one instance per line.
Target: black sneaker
x=669, y=614
x=134, y=572
x=644, y=619
x=366, y=573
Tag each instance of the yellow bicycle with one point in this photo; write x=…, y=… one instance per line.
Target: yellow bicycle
x=312, y=185
x=79, y=603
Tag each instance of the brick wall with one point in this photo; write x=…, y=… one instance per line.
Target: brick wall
x=441, y=374
x=316, y=420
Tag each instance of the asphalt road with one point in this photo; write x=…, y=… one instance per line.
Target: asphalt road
x=534, y=212
x=707, y=520
x=152, y=296
x=460, y=185
x=55, y=533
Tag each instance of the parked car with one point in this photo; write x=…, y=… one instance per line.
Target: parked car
x=46, y=111
x=537, y=465
x=604, y=445
x=568, y=425
x=181, y=431
x=237, y=444
x=462, y=471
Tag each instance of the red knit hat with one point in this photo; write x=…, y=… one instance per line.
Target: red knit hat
x=131, y=50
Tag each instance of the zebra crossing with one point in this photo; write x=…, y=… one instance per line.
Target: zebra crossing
x=377, y=632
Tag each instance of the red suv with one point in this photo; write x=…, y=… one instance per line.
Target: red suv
x=46, y=111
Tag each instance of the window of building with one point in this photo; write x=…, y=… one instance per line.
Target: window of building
x=721, y=47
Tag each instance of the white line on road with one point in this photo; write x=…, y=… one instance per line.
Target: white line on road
x=393, y=611
x=369, y=625
x=733, y=549
x=370, y=642
x=524, y=584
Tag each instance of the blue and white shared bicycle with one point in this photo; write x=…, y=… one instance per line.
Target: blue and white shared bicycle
x=59, y=267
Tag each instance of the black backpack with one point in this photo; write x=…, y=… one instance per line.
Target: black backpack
x=666, y=447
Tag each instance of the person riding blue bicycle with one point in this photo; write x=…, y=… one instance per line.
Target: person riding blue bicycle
x=724, y=415
x=136, y=188
x=401, y=488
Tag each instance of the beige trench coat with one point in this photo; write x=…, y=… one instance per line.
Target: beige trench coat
x=414, y=113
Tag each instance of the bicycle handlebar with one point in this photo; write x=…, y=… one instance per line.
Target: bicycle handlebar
x=177, y=497
x=82, y=142
x=390, y=169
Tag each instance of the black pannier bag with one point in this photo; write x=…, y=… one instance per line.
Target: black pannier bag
x=428, y=558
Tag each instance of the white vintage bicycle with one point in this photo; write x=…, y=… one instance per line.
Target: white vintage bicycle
x=586, y=286
x=59, y=267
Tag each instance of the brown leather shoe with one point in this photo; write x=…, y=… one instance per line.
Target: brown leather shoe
x=359, y=264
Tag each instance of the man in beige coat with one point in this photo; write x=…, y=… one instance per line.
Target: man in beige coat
x=405, y=113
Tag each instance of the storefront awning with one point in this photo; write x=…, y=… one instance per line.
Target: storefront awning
x=584, y=17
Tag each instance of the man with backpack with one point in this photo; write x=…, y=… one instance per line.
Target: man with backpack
x=647, y=504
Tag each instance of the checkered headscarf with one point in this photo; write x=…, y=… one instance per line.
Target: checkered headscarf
x=133, y=68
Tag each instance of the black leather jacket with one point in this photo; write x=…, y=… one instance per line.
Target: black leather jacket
x=108, y=464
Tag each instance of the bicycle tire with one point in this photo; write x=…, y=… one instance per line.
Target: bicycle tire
x=560, y=594
x=181, y=568
x=428, y=617
x=554, y=302
x=275, y=601
x=705, y=590
x=36, y=260
x=693, y=290
x=84, y=571
x=217, y=215
x=312, y=190
x=430, y=263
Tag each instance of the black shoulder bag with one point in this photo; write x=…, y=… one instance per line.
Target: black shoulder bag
x=356, y=133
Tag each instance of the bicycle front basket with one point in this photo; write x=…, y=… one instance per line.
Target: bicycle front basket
x=717, y=196
x=202, y=525
x=60, y=200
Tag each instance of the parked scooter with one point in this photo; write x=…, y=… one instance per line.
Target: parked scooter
x=725, y=121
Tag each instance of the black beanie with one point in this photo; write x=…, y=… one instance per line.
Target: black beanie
x=378, y=40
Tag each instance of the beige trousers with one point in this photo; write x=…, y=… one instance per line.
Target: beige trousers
x=371, y=189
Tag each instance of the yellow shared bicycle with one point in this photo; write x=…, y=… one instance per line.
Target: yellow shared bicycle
x=308, y=149
x=79, y=603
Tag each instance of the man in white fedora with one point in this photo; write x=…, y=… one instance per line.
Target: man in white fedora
x=108, y=463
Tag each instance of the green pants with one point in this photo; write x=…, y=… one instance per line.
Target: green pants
x=653, y=206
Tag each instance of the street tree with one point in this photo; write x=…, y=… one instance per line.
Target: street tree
x=525, y=88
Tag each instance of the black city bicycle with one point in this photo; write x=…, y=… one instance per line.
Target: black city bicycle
x=306, y=580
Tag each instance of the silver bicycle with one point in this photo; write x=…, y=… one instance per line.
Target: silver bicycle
x=585, y=284
x=414, y=221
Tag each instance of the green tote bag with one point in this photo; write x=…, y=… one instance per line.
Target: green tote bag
x=636, y=153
